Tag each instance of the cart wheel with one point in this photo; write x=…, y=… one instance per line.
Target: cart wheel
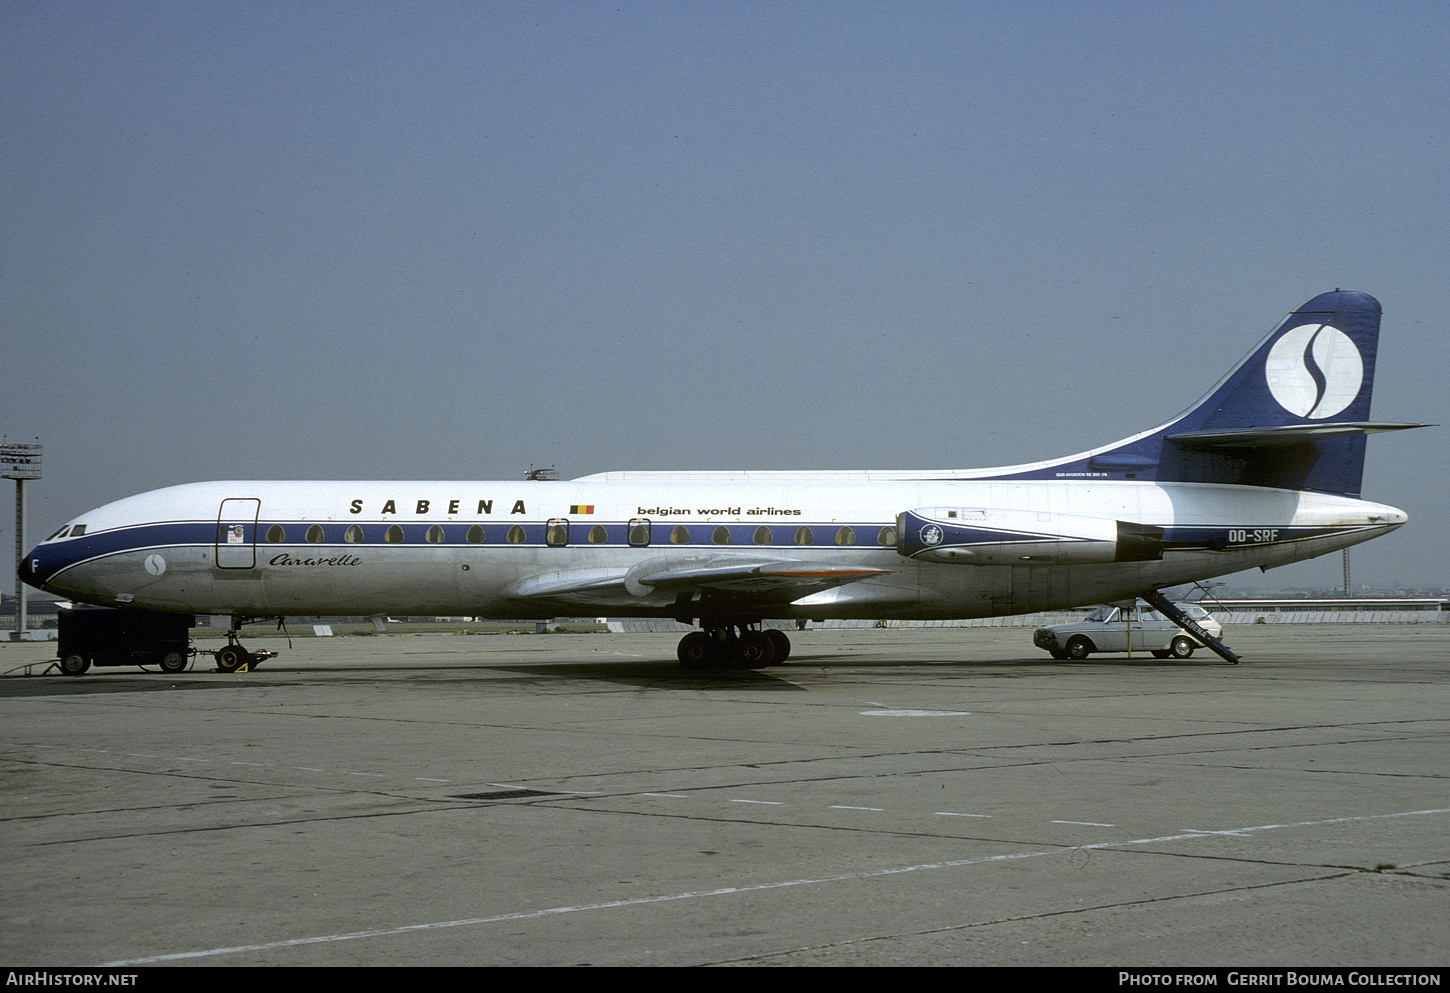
x=74, y=665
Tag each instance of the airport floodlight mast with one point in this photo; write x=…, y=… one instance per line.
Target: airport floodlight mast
x=19, y=462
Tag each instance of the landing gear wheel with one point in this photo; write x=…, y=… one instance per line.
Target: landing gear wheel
x=756, y=650
x=74, y=665
x=694, y=650
x=782, y=645
x=231, y=658
x=172, y=662
x=1079, y=648
x=1182, y=647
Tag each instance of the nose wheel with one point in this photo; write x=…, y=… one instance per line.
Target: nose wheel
x=234, y=658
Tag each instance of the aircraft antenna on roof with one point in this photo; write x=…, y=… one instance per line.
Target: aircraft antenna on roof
x=549, y=473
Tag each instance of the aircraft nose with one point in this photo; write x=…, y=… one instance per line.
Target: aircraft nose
x=30, y=569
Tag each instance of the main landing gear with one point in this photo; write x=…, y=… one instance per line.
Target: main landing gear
x=733, y=646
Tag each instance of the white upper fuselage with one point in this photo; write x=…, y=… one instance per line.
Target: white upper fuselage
x=549, y=548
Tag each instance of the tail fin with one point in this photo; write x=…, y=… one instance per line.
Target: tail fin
x=1293, y=415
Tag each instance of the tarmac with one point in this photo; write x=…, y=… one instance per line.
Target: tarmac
x=886, y=797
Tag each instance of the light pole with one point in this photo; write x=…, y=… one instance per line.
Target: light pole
x=19, y=462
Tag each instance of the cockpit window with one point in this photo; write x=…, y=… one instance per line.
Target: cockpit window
x=58, y=533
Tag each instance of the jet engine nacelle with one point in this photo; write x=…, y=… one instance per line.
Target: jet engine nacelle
x=988, y=536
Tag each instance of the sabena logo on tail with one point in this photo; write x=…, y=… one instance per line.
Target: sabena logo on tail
x=1314, y=371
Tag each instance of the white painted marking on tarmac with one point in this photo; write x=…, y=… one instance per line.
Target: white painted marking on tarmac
x=1085, y=823
x=915, y=713
x=425, y=779
x=731, y=890
x=951, y=813
x=768, y=803
x=375, y=775
x=1231, y=834
x=304, y=768
x=672, y=796
x=258, y=765
x=842, y=806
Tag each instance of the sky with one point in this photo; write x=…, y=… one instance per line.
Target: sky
x=249, y=240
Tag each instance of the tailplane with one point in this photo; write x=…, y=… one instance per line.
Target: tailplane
x=1293, y=415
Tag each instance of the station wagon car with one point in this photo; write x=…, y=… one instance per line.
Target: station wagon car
x=1138, y=628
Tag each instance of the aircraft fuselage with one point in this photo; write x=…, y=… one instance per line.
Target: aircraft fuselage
x=552, y=548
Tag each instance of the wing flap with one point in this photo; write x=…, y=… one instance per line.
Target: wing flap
x=743, y=578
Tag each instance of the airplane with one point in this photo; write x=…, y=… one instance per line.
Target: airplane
x=1263, y=471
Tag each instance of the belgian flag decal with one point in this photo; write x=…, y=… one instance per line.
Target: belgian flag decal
x=581, y=508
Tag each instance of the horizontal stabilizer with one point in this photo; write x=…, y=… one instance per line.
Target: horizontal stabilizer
x=1289, y=434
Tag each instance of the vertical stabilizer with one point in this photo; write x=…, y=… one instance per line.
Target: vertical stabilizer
x=1293, y=415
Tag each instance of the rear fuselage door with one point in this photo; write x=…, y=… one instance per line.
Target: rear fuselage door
x=236, y=533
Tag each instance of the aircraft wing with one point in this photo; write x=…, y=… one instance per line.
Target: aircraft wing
x=741, y=578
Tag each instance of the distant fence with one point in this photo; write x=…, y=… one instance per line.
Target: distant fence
x=1228, y=613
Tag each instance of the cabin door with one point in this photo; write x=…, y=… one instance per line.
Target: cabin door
x=236, y=533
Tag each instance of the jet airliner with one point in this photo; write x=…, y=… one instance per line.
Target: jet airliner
x=1264, y=470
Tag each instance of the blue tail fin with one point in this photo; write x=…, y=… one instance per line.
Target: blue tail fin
x=1293, y=415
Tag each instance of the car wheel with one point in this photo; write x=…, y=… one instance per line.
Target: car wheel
x=1079, y=647
x=74, y=665
x=1182, y=647
x=172, y=662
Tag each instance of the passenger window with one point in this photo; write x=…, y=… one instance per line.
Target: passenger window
x=639, y=532
x=516, y=535
x=434, y=535
x=394, y=535
x=557, y=533
x=276, y=535
x=474, y=535
x=353, y=534
x=680, y=535
x=721, y=535
x=886, y=536
x=314, y=534
x=803, y=536
x=597, y=535
x=845, y=536
x=761, y=536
